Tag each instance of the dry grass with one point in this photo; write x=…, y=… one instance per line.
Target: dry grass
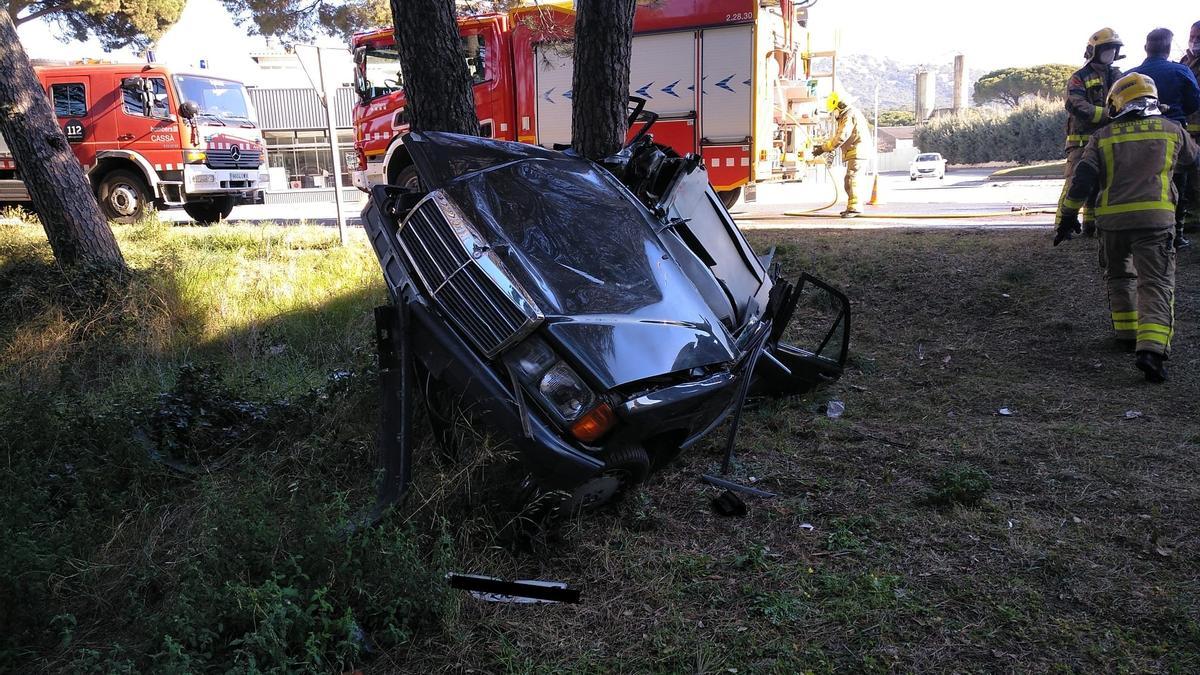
x=1080, y=557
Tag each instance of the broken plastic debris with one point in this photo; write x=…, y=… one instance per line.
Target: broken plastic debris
x=834, y=409
x=807, y=527
x=1132, y=414
x=1004, y=412
x=1005, y=295
x=491, y=589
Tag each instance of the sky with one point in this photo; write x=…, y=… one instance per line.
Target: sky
x=992, y=34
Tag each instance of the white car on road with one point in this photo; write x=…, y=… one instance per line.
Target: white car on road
x=927, y=165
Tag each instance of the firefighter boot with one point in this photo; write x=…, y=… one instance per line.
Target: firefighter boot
x=1151, y=363
x=851, y=213
x=1180, y=240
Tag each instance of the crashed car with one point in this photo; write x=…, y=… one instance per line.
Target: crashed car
x=601, y=316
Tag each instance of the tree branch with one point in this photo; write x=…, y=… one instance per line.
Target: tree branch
x=47, y=9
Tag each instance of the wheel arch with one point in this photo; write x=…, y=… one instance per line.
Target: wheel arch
x=108, y=161
x=396, y=159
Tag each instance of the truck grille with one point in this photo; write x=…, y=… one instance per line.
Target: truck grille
x=465, y=278
x=246, y=158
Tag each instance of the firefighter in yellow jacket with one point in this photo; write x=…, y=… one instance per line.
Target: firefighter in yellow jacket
x=854, y=138
x=1085, y=97
x=1127, y=167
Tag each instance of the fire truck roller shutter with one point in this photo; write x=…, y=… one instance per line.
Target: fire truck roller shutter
x=662, y=71
x=727, y=67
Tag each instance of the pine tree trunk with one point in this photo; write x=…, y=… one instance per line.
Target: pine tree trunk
x=437, y=86
x=600, y=83
x=61, y=193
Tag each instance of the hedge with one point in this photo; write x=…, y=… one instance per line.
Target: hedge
x=1033, y=131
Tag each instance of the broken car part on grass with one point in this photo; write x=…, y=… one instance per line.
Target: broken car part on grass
x=602, y=317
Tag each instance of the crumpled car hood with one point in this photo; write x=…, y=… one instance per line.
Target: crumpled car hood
x=616, y=302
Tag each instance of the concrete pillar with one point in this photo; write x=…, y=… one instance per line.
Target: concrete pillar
x=924, y=94
x=960, y=82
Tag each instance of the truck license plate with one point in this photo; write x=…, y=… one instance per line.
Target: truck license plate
x=239, y=176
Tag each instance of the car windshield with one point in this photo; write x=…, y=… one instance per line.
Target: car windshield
x=932, y=157
x=222, y=99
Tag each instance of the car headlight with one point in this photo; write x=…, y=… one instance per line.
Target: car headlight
x=559, y=389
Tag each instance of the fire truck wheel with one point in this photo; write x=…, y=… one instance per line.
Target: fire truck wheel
x=730, y=197
x=210, y=212
x=123, y=196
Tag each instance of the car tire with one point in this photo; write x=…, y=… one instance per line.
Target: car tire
x=407, y=178
x=625, y=466
x=123, y=196
x=211, y=211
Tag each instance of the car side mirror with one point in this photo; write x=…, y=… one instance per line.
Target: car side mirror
x=188, y=110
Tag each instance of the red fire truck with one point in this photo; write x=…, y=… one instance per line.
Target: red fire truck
x=149, y=136
x=731, y=80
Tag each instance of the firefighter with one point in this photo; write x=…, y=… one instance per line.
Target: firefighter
x=1126, y=167
x=1085, y=96
x=854, y=138
x=1189, y=212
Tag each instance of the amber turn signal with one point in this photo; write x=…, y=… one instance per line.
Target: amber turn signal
x=594, y=423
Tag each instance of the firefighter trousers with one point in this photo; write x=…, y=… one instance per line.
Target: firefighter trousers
x=1086, y=213
x=1139, y=271
x=853, y=173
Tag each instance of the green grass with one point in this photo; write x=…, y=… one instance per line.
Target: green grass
x=181, y=452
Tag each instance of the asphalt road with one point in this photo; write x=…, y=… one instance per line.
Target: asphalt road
x=964, y=199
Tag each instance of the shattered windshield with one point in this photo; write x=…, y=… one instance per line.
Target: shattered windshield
x=221, y=99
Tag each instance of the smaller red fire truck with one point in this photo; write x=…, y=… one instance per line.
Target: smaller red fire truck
x=148, y=136
x=734, y=81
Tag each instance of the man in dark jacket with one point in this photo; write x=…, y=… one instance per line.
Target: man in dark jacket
x=1179, y=97
x=1084, y=100
x=1190, y=211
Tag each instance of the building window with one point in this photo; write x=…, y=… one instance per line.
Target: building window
x=305, y=157
x=69, y=100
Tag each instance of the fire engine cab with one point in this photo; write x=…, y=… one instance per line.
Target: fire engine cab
x=733, y=81
x=151, y=137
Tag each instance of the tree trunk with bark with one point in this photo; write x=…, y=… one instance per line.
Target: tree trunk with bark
x=437, y=85
x=61, y=193
x=600, y=82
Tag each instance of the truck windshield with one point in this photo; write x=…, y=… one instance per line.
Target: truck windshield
x=222, y=99
x=379, y=72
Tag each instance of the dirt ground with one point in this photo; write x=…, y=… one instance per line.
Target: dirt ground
x=921, y=531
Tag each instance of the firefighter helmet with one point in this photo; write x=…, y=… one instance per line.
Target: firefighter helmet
x=1101, y=38
x=833, y=102
x=1133, y=92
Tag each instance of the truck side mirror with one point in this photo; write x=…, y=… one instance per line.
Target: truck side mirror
x=188, y=110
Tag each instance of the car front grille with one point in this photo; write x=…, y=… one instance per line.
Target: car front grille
x=224, y=158
x=465, y=277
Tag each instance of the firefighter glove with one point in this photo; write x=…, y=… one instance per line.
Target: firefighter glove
x=1067, y=225
x=818, y=150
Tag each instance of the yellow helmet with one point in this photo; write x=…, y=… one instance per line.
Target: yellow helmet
x=832, y=102
x=1127, y=90
x=1101, y=38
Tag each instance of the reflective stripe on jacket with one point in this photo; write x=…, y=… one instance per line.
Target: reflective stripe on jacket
x=1085, y=98
x=1132, y=163
x=852, y=135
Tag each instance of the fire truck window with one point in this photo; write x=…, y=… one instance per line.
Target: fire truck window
x=475, y=49
x=381, y=68
x=69, y=100
x=158, y=103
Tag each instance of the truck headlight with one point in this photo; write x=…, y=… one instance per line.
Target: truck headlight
x=559, y=389
x=194, y=156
